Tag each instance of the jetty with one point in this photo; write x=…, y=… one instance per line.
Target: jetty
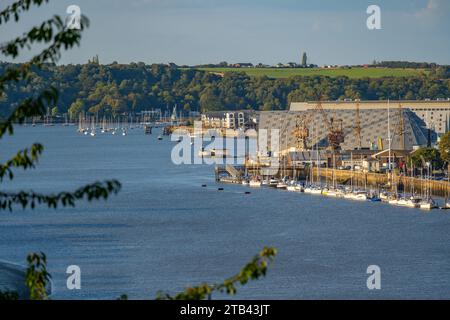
x=235, y=174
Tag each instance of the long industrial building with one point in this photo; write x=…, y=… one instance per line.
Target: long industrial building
x=364, y=124
x=435, y=114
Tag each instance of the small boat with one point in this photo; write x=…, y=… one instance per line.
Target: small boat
x=402, y=202
x=282, y=185
x=292, y=186
x=273, y=182
x=332, y=193
x=446, y=206
x=245, y=182
x=316, y=190
x=348, y=195
x=393, y=201
x=384, y=196
x=359, y=196
x=413, y=202
x=255, y=183
x=427, y=204
x=160, y=137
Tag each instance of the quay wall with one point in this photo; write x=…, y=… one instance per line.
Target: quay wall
x=376, y=180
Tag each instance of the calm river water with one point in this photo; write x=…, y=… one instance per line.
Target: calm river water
x=165, y=232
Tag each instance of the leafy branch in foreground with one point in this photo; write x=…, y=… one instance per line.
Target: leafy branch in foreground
x=253, y=270
x=52, y=31
x=18, y=7
x=58, y=36
x=7, y=295
x=24, y=159
x=37, y=277
x=98, y=190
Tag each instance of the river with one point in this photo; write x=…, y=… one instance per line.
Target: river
x=164, y=231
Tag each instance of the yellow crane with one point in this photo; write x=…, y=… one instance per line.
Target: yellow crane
x=334, y=127
x=301, y=131
x=357, y=127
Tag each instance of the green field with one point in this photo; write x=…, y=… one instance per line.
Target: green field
x=351, y=73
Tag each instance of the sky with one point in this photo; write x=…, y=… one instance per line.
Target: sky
x=267, y=31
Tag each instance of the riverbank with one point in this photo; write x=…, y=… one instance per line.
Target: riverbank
x=370, y=179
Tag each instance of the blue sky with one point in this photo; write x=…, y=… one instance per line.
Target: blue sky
x=267, y=31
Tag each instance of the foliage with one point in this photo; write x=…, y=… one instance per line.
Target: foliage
x=6, y=295
x=423, y=155
x=115, y=89
x=37, y=277
x=349, y=72
x=35, y=102
x=57, y=37
x=104, y=95
x=253, y=270
x=405, y=64
x=444, y=148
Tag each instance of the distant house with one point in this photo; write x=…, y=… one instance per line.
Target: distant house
x=243, y=65
x=292, y=65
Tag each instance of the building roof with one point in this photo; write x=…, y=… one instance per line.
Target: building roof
x=374, y=128
x=370, y=104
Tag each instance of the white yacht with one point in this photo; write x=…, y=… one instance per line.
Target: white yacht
x=427, y=204
x=316, y=190
x=282, y=185
x=255, y=183
x=273, y=182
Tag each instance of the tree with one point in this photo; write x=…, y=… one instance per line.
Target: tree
x=54, y=111
x=426, y=155
x=55, y=36
x=304, y=60
x=444, y=149
x=76, y=108
x=253, y=270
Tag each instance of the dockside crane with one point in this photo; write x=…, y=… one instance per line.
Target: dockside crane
x=399, y=129
x=301, y=132
x=357, y=127
x=334, y=127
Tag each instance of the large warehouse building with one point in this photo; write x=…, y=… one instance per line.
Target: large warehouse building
x=409, y=123
x=435, y=114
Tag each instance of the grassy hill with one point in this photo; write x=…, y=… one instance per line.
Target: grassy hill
x=351, y=73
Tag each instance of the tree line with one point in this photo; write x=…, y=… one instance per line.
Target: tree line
x=116, y=89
